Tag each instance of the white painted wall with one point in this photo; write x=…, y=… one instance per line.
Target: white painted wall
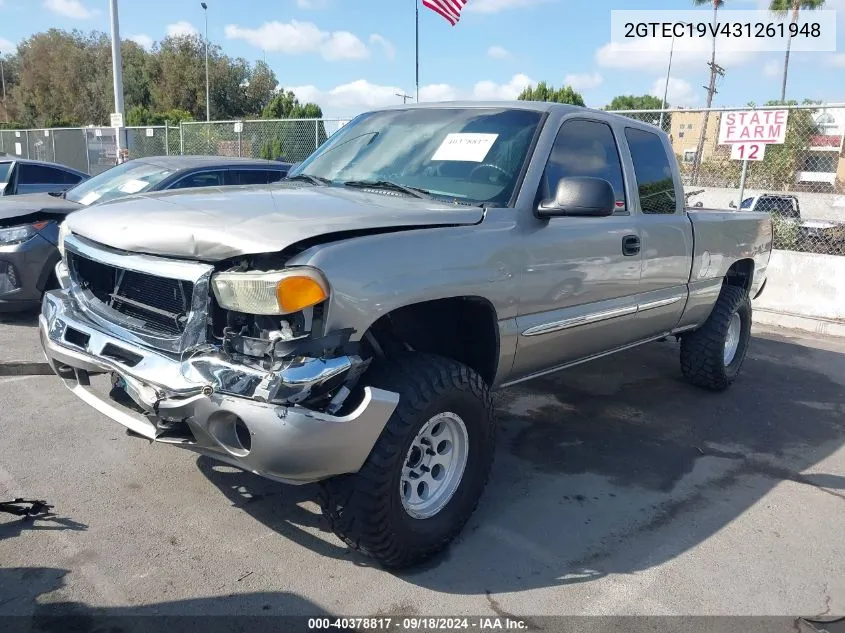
x=814, y=206
x=805, y=284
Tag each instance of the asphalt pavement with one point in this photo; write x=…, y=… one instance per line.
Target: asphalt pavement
x=617, y=489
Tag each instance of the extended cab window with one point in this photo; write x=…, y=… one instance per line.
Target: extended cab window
x=655, y=184
x=584, y=148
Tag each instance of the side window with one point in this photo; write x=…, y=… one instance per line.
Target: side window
x=39, y=175
x=276, y=175
x=249, y=176
x=69, y=178
x=200, y=179
x=585, y=148
x=655, y=184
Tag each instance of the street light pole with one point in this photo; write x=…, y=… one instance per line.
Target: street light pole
x=207, y=98
x=117, y=70
x=3, y=79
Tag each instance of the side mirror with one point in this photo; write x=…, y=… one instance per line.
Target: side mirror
x=580, y=197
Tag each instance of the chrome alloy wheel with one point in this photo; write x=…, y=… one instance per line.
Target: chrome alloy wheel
x=434, y=465
x=732, y=338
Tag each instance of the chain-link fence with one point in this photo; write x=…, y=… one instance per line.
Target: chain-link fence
x=800, y=182
x=290, y=140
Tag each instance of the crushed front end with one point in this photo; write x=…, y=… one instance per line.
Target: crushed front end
x=183, y=353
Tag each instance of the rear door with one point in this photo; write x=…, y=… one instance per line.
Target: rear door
x=665, y=231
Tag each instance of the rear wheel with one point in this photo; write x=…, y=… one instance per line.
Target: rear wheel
x=712, y=356
x=425, y=475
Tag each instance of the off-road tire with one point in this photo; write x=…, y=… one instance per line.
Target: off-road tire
x=365, y=509
x=702, y=350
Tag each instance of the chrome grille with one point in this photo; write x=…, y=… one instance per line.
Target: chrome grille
x=158, y=305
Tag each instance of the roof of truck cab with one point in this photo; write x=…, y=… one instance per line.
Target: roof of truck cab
x=536, y=106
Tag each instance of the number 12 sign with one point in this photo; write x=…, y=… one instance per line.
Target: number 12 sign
x=748, y=151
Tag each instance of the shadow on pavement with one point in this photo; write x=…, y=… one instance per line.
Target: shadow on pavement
x=614, y=467
x=26, y=605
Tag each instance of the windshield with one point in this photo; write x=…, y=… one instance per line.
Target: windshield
x=465, y=154
x=119, y=181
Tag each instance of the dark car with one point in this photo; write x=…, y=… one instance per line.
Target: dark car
x=22, y=176
x=29, y=224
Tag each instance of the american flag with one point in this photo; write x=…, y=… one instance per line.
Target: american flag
x=449, y=9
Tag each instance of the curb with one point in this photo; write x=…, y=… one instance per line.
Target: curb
x=825, y=327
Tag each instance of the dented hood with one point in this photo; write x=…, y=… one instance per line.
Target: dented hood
x=213, y=224
x=28, y=204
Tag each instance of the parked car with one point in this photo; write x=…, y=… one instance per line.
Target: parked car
x=29, y=224
x=348, y=325
x=813, y=235
x=21, y=176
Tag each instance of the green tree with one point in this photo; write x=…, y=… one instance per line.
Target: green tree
x=781, y=8
x=781, y=161
x=260, y=89
x=545, y=92
x=630, y=102
x=293, y=140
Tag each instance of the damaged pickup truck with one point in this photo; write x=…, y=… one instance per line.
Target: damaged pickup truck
x=348, y=324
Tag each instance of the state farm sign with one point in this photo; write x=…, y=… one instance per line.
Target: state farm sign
x=753, y=126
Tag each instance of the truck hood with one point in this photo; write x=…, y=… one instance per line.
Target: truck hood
x=213, y=224
x=12, y=207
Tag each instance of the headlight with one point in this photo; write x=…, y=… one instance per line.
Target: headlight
x=278, y=292
x=18, y=234
x=63, y=233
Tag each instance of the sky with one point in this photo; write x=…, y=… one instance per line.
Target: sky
x=352, y=55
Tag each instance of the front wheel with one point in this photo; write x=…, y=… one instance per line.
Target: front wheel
x=712, y=356
x=425, y=474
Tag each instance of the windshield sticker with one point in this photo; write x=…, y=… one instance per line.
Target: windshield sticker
x=466, y=147
x=89, y=198
x=133, y=186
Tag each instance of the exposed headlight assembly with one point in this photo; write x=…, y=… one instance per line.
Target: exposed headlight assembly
x=20, y=234
x=278, y=292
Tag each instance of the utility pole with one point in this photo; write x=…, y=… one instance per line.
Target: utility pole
x=403, y=96
x=207, y=98
x=117, y=71
x=715, y=71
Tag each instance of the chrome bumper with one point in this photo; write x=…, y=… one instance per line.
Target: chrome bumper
x=179, y=401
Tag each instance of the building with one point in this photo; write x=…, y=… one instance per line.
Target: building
x=823, y=165
x=685, y=129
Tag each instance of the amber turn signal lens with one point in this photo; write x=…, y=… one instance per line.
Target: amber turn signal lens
x=296, y=293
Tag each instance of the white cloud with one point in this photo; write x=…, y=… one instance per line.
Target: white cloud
x=438, y=92
x=70, y=9
x=772, y=68
x=837, y=60
x=498, y=52
x=584, y=81
x=386, y=45
x=296, y=38
x=144, y=41
x=680, y=91
x=494, y=6
x=631, y=56
x=357, y=96
x=181, y=29
x=7, y=47
x=491, y=91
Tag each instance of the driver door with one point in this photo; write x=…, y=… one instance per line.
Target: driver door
x=582, y=274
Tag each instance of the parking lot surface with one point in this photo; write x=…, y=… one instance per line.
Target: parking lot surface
x=617, y=489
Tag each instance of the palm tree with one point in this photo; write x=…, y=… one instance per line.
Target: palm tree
x=697, y=161
x=781, y=8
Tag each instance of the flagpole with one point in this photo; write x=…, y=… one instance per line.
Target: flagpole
x=417, y=7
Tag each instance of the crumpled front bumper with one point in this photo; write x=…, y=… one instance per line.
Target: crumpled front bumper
x=167, y=402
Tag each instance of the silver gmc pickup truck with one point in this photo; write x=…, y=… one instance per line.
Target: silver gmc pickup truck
x=348, y=324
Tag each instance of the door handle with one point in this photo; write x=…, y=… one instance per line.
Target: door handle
x=630, y=245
